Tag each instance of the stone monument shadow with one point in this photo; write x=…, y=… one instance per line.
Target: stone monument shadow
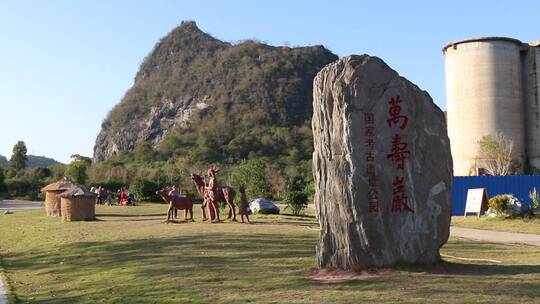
x=448, y=268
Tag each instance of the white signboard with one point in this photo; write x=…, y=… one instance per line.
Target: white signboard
x=477, y=201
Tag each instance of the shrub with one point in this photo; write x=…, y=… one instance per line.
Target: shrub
x=21, y=187
x=296, y=201
x=143, y=189
x=38, y=174
x=76, y=170
x=252, y=174
x=535, y=198
x=499, y=204
x=309, y=189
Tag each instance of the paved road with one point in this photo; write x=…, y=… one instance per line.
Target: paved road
x=19, y=205
x=496, y=236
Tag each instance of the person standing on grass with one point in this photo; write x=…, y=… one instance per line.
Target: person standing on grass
x=123, y=198
x=100, y=195
x=109, y=197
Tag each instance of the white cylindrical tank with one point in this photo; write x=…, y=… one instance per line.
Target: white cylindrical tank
x=483, y=97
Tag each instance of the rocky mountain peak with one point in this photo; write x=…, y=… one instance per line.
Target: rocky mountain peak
x=189, y=71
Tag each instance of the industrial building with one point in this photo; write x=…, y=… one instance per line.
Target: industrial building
x=493, y=86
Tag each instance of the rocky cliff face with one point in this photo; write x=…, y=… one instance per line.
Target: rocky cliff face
x=3, y=161
x=189, y=71
x=151, y=127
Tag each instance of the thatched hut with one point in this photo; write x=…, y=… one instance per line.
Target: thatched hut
x=78, y=204
x=52, y=200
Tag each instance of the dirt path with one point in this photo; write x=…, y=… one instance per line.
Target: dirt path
x=496, y=236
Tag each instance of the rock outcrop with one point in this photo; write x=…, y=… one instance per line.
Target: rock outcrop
x=4, y=162
x=190, y=72
x=263, y=206
x=382, y=167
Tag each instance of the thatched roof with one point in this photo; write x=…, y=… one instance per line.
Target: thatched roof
x=77, y=190
x=63, y=184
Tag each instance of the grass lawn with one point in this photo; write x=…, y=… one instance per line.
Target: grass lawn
x=522, y=225
x=131, y=256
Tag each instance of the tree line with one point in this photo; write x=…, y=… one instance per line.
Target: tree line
x=145, y=170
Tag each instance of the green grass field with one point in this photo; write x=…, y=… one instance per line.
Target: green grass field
x=522, y=225
x=131, y=256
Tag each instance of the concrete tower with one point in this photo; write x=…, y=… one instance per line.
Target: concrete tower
x=486, y=94
x=531, y=84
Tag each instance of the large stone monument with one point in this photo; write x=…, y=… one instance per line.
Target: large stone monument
x=382, y=167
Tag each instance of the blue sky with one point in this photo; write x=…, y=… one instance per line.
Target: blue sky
x=65, y=64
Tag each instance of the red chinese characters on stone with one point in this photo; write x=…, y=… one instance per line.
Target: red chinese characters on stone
x=399, y=152
x=373, y=194
x=400, y=201
x=394, y=114
x=369, y=118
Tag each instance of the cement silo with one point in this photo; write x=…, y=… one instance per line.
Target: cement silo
x=484, y=97
x=531, y=83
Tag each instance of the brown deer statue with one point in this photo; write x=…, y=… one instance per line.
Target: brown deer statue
x=177, y=202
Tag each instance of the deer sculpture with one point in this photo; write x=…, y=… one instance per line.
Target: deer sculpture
x=224, y=194
x=177, y=202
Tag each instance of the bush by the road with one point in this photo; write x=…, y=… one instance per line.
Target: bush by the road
x=296, y=201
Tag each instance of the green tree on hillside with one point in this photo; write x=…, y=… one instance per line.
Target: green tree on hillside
x=143, y=152
x=57, y=171
x=2, y=185
x=252, y=174
x=39, y=174
x=76, y=170
x=18, y=158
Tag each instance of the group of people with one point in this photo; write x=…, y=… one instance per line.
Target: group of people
x=124, y=197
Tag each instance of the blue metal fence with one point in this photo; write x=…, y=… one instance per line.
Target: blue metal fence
x=518, y=185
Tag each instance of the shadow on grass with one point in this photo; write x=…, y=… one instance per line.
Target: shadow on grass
x=214, y=252
x=460, y=269
x=201, y=261
x=199, y=265
x=222, y=252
